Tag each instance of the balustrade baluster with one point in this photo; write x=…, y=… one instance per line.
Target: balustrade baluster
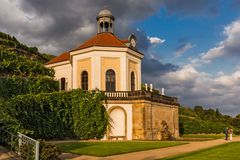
x=141, y=94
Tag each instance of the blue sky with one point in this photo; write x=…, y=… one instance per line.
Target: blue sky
x=191, y=47
x=202, y=31
x=187, y=38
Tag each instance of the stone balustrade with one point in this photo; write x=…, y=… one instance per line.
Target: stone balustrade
x=141, y=95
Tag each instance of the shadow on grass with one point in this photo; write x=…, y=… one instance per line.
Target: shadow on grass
x=185, y=155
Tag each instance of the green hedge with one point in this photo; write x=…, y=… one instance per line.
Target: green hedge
x=59, y=115
x=13, y=86
x=190, y=125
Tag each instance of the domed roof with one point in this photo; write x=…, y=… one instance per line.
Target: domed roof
x=105, y=12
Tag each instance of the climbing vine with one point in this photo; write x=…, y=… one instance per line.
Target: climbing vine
x=76, y=114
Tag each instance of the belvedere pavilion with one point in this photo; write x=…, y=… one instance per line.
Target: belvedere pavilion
x=113, y=66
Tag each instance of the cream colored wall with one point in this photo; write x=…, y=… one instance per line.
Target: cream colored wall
x=98, y=73
x=132, y=67
x=128, y=110
x=118, y=122
x=135, y=65
x=114, y=64
x=64, y=71
x=84, y=65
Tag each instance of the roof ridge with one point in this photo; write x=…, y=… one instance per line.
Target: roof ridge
x=117, y=38
x=62, y=57
x=105, y=39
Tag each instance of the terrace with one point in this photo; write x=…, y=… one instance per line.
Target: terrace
x=141, y=95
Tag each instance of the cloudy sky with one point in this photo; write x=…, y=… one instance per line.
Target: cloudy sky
x=192, y=48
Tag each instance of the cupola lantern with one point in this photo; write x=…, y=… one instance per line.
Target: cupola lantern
x=105, y=21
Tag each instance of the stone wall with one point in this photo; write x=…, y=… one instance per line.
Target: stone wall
x=148, y=117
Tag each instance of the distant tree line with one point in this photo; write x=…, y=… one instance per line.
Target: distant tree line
x=200, y=120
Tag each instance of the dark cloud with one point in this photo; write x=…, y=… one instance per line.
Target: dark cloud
x=192, y=7
x=58, y=25
x=70, y=16
x=152, y=67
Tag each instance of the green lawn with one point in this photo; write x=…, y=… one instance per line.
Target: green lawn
x=111, y=148
x=229, y=151
x=210, y=136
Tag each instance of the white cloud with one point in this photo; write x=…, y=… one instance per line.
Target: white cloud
x=23, y=24
x=156, y=40
x=183, y=48
x=230, y=46
x=194, y=87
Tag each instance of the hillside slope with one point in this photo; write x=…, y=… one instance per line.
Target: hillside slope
x=11, y=44
x=20, y=60
x=22, y=70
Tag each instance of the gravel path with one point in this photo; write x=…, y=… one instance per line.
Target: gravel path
x=6, y=155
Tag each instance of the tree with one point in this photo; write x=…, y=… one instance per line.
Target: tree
x=218, y=114
x=236, y=122
x=210, y=114
x=238, y=116
x=199, y=111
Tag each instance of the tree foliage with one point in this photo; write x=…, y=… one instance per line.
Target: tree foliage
x=13, y=64
x=13, y=86
x=200, y=120
x=196, y=125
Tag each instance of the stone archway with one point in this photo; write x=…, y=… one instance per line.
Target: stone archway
x=118, y=128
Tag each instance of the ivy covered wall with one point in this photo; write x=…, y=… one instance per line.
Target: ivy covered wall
x=76, y=114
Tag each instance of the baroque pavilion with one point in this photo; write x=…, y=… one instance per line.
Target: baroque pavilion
x=113, y=66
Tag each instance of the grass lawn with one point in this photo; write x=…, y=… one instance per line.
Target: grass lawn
x=102, y=149
x=210, y=136
x=229, y=151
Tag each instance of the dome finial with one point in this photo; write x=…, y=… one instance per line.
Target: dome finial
x=105, y=7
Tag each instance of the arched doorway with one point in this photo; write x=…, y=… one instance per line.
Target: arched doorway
x=118, y=123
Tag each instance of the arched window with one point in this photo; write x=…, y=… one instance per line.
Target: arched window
x=84, y=80
x=106, y=25
x=63, y=84
x=101, y=27
x=110, y=80
x=132, y=81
